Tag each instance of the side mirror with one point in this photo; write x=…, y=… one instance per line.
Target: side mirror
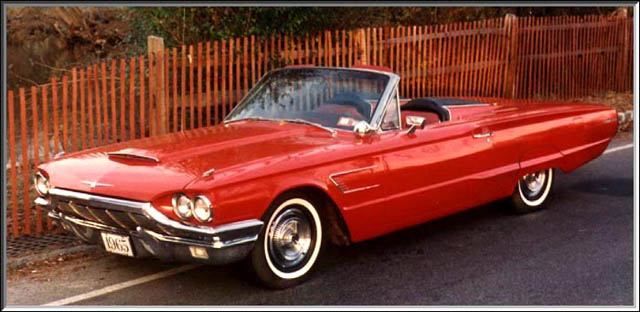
x=415, y=122
x=362, y=128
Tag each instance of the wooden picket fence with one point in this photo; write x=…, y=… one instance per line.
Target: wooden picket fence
x=197, y=85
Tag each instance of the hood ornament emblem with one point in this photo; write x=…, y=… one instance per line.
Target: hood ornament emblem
x=208, y=172
x=93, y=184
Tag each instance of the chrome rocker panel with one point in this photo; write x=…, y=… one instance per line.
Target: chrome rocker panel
x=223, y=244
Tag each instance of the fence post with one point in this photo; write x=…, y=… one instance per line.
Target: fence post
x=155, y=45
x=511, y=31
x=361, y=42
x=621, y=13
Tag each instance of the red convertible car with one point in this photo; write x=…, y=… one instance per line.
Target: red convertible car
x=314, y=155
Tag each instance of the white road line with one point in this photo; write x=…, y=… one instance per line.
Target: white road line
x=618, y=148
x=119, y=286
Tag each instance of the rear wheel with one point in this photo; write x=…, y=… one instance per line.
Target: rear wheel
x=289, y=243
x=532, y=191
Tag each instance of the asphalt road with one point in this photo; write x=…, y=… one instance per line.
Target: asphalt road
x=578, y=251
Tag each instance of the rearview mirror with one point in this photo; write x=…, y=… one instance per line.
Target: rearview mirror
x=361, y=128
x=415, y=122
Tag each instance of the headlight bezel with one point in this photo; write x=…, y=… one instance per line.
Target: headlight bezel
x=36, y=184
x=207, y=204
x=189, y=211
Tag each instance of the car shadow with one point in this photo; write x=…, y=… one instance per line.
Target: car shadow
x=409, y=241
x=618, y=187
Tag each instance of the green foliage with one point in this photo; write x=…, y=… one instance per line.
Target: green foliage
x=193, y=24
x=187, y=25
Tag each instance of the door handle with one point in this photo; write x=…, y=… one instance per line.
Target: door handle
x=482, y=135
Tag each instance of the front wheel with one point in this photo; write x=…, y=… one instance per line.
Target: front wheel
x=289, y=243
x=532, y=191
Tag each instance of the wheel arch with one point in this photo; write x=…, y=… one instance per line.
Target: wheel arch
x=539, y=158
x=336, y=227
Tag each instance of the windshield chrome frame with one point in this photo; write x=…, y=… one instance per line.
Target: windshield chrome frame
x=397, y=98
x=376, y=118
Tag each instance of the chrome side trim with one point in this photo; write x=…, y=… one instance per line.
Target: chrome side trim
x=468, y=105
x=335, y=174
x=361, y=189
x=483, y=135
x=134, y=156
x=347, y=191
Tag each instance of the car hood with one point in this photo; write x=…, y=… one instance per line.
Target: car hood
x=130, y=170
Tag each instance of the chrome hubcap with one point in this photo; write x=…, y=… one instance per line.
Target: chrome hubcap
x=289, y=238
x=534, y=182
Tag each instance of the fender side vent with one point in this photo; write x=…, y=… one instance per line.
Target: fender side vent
x=340, y=185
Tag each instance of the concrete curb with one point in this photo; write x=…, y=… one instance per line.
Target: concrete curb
x=20, y=261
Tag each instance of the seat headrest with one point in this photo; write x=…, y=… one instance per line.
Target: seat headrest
x=428, y=105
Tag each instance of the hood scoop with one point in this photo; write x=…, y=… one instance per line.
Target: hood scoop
x=125, y=154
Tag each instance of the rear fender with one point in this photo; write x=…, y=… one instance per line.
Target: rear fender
x=539, y=158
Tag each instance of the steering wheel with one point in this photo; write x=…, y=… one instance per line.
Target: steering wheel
x=354, y=100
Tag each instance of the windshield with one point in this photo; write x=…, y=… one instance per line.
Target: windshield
x=334, y=98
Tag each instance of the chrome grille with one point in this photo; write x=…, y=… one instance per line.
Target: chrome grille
x=128, y=221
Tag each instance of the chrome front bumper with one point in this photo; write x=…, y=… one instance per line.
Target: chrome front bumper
x=152, y=234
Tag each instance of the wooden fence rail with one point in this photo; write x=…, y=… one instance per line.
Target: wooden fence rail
x=120, y=100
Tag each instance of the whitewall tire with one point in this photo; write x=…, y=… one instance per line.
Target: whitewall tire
x=289, y=243
x=532, y=191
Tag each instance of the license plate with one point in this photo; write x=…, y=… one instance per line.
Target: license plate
x=118, y=244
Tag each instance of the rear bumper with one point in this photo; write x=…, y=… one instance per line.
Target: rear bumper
x=212, y=245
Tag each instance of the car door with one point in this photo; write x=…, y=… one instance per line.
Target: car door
x=435, y=171
x=441, y=169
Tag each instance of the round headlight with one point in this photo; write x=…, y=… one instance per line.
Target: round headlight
x=202, y=209
x=41, y=184
x=182, y=206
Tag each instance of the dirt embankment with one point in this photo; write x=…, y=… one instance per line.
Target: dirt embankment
x=42, y=42
x=621, y=101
